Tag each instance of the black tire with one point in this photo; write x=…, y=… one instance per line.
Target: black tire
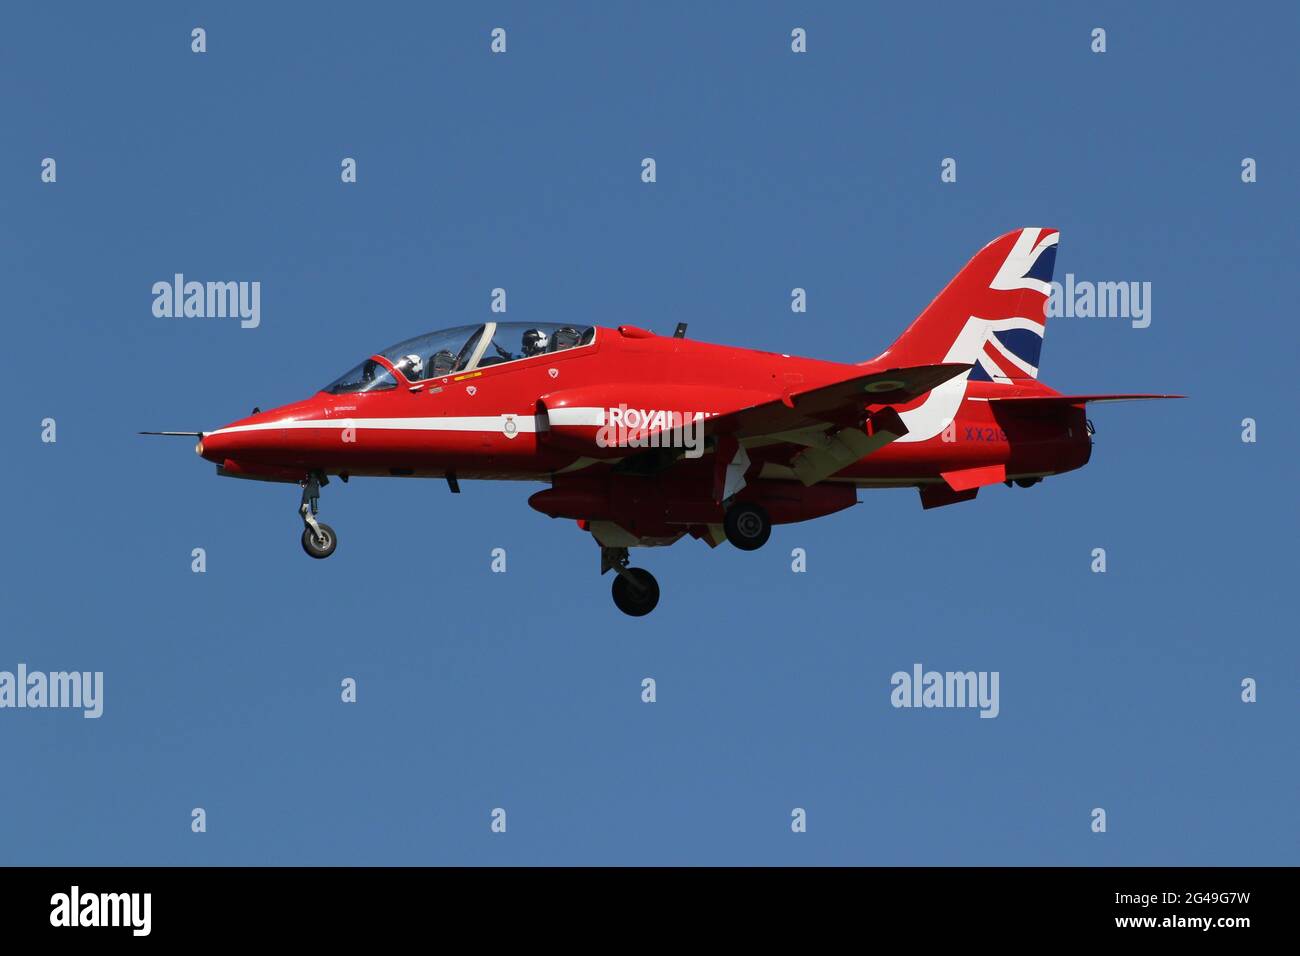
x=1027, y=482
x=747, y=526
x=321, y=547
x=638, y=598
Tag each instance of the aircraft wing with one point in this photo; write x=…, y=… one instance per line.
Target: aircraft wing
x=841, y=403
x=830, y=422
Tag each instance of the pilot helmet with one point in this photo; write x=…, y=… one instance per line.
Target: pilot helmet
x=535, y=341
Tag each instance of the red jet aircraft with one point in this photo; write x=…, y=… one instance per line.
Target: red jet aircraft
x=645, y=438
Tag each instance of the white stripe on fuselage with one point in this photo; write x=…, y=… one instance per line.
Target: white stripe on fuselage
x=449, y=423
x=576, y=416
x=939, y=409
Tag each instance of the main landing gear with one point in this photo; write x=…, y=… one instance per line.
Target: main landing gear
x=318, y=538
x=747, y=526
x=635, y=590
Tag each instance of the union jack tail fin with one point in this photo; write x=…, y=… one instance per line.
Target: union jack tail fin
x=991, y=315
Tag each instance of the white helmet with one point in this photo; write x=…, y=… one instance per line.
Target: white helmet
x=535, y=341
x=411, y=365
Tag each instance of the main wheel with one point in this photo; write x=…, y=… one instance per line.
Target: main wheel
x=747, y=526
x=637, y=597
x=322, y=545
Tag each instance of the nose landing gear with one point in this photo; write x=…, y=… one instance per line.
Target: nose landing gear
x=318, y=538
x=635, y=590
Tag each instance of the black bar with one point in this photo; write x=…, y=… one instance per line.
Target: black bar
x=371, y=904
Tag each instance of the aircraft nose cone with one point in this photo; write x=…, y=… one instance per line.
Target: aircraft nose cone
x=215, y=446
x=254, y=436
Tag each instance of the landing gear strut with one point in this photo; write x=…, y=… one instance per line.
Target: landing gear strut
x=747, y=526
x=318, y=538
x=635, y=590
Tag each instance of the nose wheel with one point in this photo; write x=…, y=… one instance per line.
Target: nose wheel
x=320, y=541
x=318, y=538
x=635, y=590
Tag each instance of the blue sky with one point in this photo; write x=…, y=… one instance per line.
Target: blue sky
x=522, y=690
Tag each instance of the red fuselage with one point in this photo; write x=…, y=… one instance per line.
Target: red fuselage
x=492, y=423
x=644, y=439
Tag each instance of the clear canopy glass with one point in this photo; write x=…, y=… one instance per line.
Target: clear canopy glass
x=460, y=349
x=369, y=376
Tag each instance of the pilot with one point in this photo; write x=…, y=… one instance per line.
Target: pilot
x=535, y=342
x=442, y=363
x=411, y=366
x=565, y=337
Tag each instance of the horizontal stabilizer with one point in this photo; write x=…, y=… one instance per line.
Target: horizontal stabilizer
x=1058, y=400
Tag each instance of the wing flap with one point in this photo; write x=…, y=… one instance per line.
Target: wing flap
x=838, y=449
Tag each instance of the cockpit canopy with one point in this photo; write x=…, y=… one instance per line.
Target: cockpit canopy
x=462, y=349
